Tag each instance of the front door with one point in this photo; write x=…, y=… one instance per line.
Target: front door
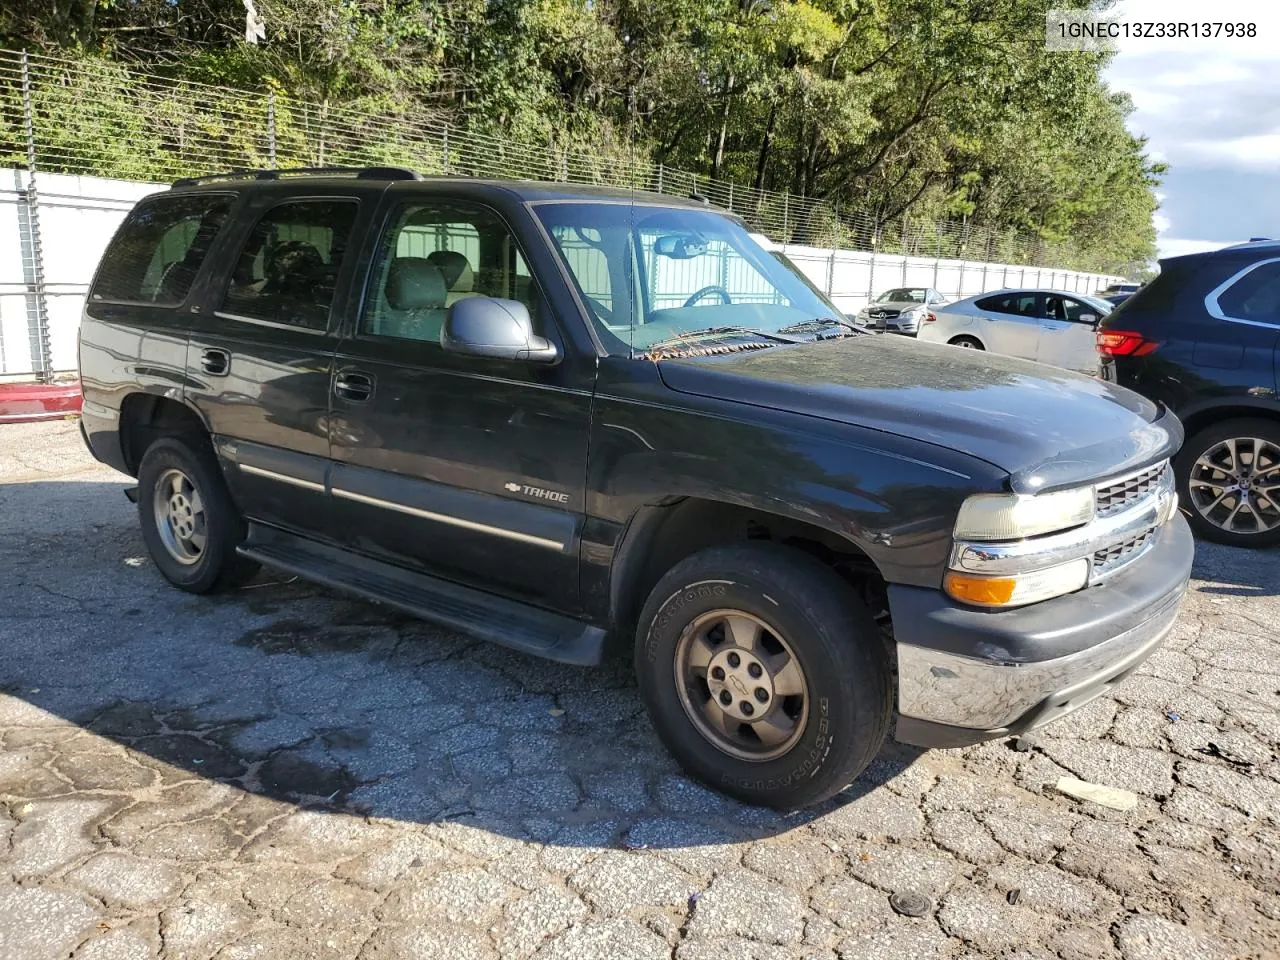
x=1068, y=334
x=465, y=467
x=260, y=354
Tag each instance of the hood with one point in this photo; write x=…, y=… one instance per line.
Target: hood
x=899, y=305
x=1047, y=427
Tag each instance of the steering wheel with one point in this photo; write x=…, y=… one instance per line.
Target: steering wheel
x=711, y=288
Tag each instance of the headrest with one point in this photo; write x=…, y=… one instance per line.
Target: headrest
x=414, y=283
x=455, y=268
x=292, y=259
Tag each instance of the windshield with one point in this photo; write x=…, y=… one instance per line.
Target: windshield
x=651, y=274
x=903, y=295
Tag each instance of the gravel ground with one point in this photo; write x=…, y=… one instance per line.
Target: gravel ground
x=285, y=773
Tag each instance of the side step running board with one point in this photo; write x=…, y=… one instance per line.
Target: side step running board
x=474, y=612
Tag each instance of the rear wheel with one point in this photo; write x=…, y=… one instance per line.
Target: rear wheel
x=969, y=343
x=764, y=674
x=1229, y=482
x=189, y=523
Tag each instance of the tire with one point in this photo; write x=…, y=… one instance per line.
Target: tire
x=841, y=719
x=180, y=488
x=1256, y=442
x=968, y=343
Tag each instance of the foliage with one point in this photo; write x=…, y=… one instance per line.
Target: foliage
x=927, y=110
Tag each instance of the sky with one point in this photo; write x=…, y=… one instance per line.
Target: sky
x=1211, y=110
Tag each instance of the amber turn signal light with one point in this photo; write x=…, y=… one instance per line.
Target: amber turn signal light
x=983, y=591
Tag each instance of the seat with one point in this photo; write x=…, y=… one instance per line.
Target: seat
x=415, y=296
x=459, y=278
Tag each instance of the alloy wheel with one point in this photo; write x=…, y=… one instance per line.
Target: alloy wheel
x=180, y=517
x=1235, y=485
x=741, y=684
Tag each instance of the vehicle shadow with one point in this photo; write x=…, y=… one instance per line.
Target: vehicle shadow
x=295, y=694
x=1236, y=571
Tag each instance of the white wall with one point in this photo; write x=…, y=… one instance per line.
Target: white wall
x=851, y=278
x=78, y=215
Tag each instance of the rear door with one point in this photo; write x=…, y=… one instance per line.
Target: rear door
x=261, y=352
x=1068, y=334
x=1249, y=303
x=469, y=468
x=1009, y=323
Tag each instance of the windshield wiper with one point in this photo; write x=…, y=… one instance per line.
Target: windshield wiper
x=823, y=323
x=681, y=338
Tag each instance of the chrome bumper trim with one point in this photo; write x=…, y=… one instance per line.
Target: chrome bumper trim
x=991, y=695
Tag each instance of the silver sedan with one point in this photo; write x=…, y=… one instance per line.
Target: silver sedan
x=1052, y=326
x=900, y=310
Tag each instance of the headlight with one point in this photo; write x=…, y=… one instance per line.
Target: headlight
x=863, y=313
x=1017, y=590
x=1009, y=516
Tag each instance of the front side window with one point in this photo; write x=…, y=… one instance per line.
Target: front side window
x=287, y=271
x=435, y=254
x=159, y=248
x=1255, y=296
x=651, y=276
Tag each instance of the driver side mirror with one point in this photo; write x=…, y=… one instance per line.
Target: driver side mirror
x=492, y=327
x=1088, y=318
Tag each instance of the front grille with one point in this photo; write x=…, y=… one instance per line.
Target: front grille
x=1117, y=495
x=1118, y=554
x=885, y=314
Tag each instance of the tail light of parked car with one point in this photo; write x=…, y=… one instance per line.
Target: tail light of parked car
x=1124, y=343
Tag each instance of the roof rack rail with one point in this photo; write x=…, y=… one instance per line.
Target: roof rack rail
x=360, y=173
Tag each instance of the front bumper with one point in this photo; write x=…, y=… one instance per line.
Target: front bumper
x=967, y=675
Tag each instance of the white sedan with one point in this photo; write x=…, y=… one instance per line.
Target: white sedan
x=1050, y=326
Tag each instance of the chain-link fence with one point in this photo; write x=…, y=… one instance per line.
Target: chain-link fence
x=104, y=119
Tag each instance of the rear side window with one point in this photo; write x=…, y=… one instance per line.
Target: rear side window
x=288, y=268
x=1255, y=296
x=1019, y=304
x=157, y=251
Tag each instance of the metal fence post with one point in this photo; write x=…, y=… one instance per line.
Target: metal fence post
x=659, y=190
x=786, y=203
x=37, y=309
x=445, y=149
x=831, y=273
x=271, y=128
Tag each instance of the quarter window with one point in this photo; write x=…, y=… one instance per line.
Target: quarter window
x=436, y=254
x=159, y=248
x=1255, y=296
x=288, y=270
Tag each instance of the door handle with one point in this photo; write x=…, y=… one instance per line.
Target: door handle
x=353, y=385
x=215, y=362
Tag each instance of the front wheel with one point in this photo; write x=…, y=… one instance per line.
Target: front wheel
x=764, y=674
x=968, y=343
x=1229, y=482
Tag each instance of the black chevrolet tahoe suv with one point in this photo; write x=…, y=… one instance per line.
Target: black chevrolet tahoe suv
x=569, y=420
x=1201, y=340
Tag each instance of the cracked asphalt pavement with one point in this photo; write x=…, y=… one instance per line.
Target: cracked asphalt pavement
x=287, y=773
